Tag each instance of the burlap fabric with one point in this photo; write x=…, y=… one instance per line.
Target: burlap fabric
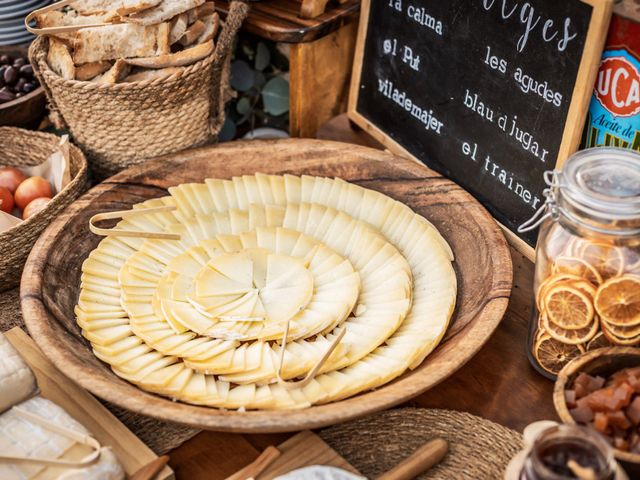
x=26, y=148
x=121, y=125
x=478, y=449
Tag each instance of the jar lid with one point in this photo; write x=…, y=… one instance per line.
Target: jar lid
x=603, y=185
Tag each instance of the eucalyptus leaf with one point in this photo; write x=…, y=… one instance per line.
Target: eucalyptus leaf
x=263, y=57
x=243, y=106
x=243, y=119
x=228, y=131
x=275, y=96
x=260, y=80
x=242, y=76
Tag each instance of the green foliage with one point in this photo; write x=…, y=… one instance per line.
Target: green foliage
x=259, y=75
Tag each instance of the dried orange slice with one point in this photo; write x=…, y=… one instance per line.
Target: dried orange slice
x=577, y=266
x=615, y=339
x=568, y=307
x=550, y=282
x=621, y=332
x=618, y=301
x=607, y=259
x=599, y=341
x=570, y=336
x=552, y=355
x=584, y=286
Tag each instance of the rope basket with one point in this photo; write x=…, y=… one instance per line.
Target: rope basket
x=478, y=448
x=121, y=125
x=23, y=148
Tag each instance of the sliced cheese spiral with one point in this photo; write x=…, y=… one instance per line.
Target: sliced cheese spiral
x=201, y=319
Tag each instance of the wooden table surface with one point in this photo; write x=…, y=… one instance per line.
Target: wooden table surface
x=498, y=383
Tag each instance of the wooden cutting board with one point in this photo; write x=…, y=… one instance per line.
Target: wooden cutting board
x=81, y=405
x=303, y=450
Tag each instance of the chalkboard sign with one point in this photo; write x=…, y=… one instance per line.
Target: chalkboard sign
x=491, y=93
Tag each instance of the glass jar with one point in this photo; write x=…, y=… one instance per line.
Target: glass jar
x=562, y=452
x=587, y=272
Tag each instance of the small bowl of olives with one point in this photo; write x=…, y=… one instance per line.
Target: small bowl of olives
x=22, y=99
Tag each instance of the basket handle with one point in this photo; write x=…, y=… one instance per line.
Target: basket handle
x=238, y=11
x=54, y=30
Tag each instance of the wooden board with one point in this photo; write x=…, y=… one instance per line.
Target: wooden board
x=303, y=450
x=107, y=429
x=50, y=284
x=319, y=77
x=280, y=20
x=467, y=89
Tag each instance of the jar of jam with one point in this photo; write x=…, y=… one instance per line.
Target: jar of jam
x=569, y=452
x=587, y=273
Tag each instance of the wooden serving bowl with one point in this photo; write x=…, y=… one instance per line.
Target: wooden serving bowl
x=604, y=362
x=51, y=279
x=26, y=111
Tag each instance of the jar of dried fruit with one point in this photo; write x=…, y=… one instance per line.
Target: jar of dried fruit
x=587, y=279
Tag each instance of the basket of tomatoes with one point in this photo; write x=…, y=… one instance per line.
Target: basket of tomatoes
x=33, y=192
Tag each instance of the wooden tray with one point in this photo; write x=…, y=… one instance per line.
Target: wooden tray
x=50, y=283
x=107, y=429
x=303, y=450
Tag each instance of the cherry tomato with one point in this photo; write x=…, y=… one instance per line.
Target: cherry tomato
x=30, y=189
x=10, y=178
x=36, y=205
x=6, y=200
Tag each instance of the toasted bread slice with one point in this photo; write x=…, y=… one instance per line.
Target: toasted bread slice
x=90, y=70
x=152, y=74
x=204, y=10
x=192, y=33
x=59, y=59
x=179, y=59
x=178, y=27
x=121, y=7
x=211, y=22
x=120, y=41
x=116, y=73
x=163, y=12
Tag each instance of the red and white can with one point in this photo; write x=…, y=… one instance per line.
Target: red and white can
x=614, y=113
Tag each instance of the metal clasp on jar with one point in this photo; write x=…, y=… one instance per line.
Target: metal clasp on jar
x=549, y=208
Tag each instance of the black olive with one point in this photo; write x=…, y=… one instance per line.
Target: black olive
x=26, y=71
x=10, y=75
x=19, y=86
x=29, y=87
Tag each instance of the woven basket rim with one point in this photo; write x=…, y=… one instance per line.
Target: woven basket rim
x=40, y=50
x=77, y=157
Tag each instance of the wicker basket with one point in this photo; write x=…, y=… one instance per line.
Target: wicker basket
x=26, y=148
x=121, y=125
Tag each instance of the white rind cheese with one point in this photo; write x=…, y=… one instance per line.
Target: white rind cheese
x=16, y=379
x=22, y=437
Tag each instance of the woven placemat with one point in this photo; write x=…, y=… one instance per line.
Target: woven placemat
x=478, y=448
x=160, y=436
